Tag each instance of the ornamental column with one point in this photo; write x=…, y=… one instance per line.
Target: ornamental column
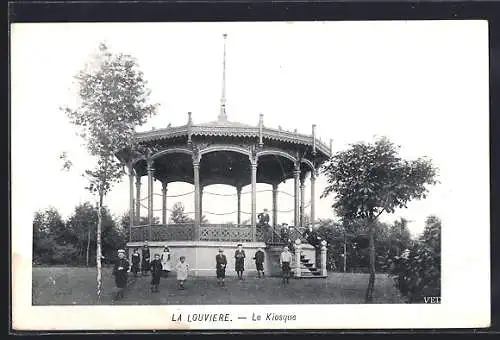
x=238, y=194
x=302, y=200
x=253, y=162
x=296, y=176
x=150, y=197
x=201, y=203
x=164, y=202
x=196, y=173
x=313, y=197
x=131, y=208
x=138, y=199
x=275, y=205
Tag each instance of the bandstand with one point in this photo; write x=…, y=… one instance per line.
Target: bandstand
x=230, y=153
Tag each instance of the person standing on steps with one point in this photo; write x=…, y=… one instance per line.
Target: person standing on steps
x=156, y=272
x=165, y=262
x=146, y=257
x=120, y=272
x=259, y=262
x=285, y=260
x=239, y=256
x=136, y=262
x=220, y=264
x=284, y=233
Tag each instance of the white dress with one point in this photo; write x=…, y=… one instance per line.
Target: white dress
x=182, y=270
x=165, y=261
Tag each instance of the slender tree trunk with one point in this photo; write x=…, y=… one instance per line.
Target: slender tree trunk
x=88, y=247
x=371, y=281
x=99, y=252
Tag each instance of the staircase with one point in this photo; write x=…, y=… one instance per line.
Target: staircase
x=308, y=268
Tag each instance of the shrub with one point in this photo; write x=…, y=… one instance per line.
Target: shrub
x=417, y=271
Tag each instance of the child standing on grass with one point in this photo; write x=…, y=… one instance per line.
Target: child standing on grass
x=239, y=256
x=182, y=269
x=156, y=271
x=120, y=271
x=136, y=262
x=285, y=260
x=165, y=261
x=220, y=264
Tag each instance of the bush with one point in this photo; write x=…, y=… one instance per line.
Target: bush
x=417, y=271
x=62, y=254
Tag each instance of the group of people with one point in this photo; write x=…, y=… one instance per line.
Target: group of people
x=146, y=265
x=239, y=261
x=161, y=266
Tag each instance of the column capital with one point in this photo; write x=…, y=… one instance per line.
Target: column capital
x=150, y=165
x=296, y=172
x=196, y=157
x=314, y=174
x=297, y=165
x=253, y=160
x=302, y=179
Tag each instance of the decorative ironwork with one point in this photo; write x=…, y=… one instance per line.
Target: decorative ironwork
x=225, y=232
x=208, y=232
x=139, y=233
x=161, y=232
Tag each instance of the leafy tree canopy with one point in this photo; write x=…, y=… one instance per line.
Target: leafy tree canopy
x=113, y=101
x=369, y=178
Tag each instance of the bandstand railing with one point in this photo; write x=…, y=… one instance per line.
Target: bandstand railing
x=210, y=232
x=162, y=232
x=186, y=232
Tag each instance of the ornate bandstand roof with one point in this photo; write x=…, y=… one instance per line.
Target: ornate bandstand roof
x=225, y=128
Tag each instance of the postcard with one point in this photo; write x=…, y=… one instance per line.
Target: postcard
x=250, y=175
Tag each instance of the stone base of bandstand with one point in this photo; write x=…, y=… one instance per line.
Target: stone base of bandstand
x=200, y=255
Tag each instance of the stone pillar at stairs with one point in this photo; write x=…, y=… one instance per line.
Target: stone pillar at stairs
x=323, y=258
x=298, y=270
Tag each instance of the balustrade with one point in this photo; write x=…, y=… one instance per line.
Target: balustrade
x=186, y=232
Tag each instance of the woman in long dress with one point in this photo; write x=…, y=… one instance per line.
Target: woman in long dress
x=166, y=261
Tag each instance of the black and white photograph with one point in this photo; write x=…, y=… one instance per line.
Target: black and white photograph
x=246, y=175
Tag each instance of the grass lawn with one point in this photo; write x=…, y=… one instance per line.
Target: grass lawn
x=76, y=286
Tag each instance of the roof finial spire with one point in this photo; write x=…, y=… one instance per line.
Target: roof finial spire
x=222, y=114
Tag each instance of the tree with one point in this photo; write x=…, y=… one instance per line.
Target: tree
x=178, y=215
x=113, y=101
x=417, y=271
x=369, y=179
x=53, y=240
x=84, y=226
x=48, y=228
x=124, y=223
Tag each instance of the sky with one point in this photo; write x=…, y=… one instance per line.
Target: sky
x=424, y=85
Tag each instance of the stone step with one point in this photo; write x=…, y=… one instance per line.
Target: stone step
x=308, y=271
x=308, y=276
x=311, y=277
